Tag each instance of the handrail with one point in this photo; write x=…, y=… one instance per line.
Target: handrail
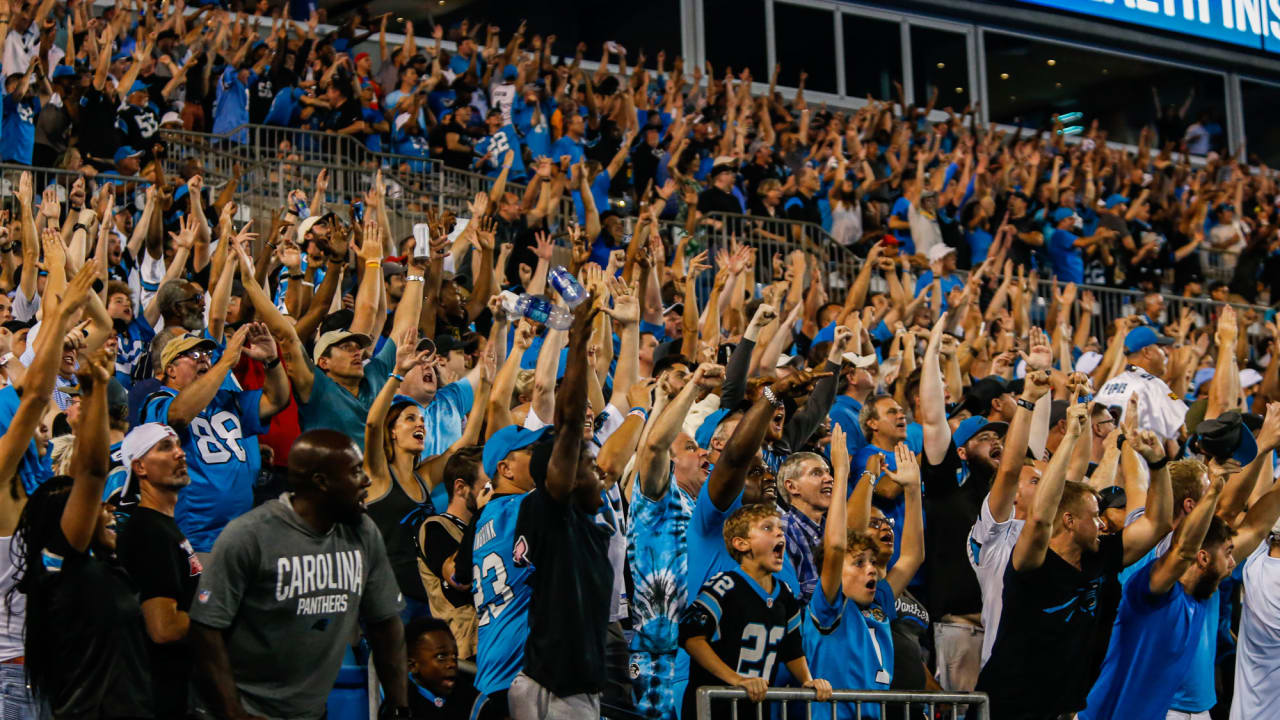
x=978, y=702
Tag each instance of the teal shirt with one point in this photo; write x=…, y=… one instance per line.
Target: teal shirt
x=332, y=407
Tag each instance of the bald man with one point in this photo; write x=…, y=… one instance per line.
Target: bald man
x=299, y=572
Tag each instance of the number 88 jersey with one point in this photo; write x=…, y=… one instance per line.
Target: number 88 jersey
x=502, y=592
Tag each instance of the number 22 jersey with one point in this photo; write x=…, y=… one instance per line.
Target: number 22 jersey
x=751, y=630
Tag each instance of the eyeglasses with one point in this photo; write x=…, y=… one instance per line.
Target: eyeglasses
x=197, y=355
x=880, y=523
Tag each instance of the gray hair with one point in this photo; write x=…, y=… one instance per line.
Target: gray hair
x=170, y=294
x=791, y=469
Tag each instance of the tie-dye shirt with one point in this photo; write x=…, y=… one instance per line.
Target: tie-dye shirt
x=659, y=557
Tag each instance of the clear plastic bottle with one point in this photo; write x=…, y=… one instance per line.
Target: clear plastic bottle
x=567, y=286
x=540, y=310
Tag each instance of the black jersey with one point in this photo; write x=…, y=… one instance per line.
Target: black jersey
x=751, y=630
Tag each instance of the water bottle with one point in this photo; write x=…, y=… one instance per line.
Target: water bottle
x=534, y=307
x=559, y=319
x=567, y=285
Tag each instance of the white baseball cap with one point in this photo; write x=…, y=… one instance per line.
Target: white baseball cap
x=1088, y=362
x=859, y=361
x=939, y=251
x=1249, y=377
x=139, y=442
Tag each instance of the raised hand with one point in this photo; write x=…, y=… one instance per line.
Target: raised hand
x=709, y=376
x=626, y=304
x=259, y=344
x=907, y=473
x=798, y=384
x=1040, y=352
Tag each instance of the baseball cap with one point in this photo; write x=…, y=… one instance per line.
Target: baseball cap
x=506, y=441
x=1116, y=199
x=1088, y=362
x=361, y=55
x=138, y=86
x=391, y=269
x=1062, y=213
x=860, y=361
x=183, y=344
x=1111, y=498
x=334, y=337
x=676, y=307
x=62, y=71
x=305, y=226
x=125, y=151
x=785, y=360
x=1143, y=336
x=446, y=344
x=171, y=117
x=939, y=251
x=139, y=442
x=1227, y=436
x=1249, y=377
x=510, y=72
x=971, y=426
x=978, y=399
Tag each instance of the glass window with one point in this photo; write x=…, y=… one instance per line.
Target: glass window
x=1028, y=80
x=1262, y=133
x=805, y=40
x=735, y=36
x=872, y=57
x=940, y=59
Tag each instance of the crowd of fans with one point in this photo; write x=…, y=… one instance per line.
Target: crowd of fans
x=607, y=466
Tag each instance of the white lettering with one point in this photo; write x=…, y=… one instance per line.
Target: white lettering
x=301, y=575
x=1148, y=6
x=1204, y=11
x=1228, y=15
x=1248, y=10
x=282, y=569
x=1275, y=12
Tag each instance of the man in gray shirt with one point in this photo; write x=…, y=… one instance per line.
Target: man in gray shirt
x=287, y=584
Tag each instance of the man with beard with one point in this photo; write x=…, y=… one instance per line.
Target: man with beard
x=670, y=472
x=219, y=424
x=160, y=559
x=440, y=536
x=1162, y=613
x=261, y=592
x=956, y=471
x=1038, y=666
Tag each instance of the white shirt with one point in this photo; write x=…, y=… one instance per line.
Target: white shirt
x=12, y=616
x=1258, y=651
x=990, y=547
x=925, y=231
x=1159, y=410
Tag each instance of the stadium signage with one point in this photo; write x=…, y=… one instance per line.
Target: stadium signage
x=1252, y=23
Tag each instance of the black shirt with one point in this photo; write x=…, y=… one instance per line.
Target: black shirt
x=426, y=705
x=909, y=657
x=752, y=631
x=715, y=200
x=953, y=495
x=1019, y=251
x=97, y=114
x=162, y=564
x=95, y=626
x=1039, y=664
x=572, y=587
x=398, y=518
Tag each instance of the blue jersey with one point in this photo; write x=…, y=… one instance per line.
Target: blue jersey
x=231, y=108
x=134, y=343
x=222, y=458
x=502, y=593
x=284, y=108
x=845, y=413
x=493, y=148
x=1068, y=263
x=413, y=146
x=851, y=646
x=566, y=145
x=658, y=553
x=444, y=419
x=1151, y=650
x=19, y=136
x=33, y=469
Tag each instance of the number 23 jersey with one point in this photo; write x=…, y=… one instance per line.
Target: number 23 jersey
x=221, y=444
x=502, y=593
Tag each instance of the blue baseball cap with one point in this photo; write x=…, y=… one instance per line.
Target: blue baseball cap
x=1227, y=436
x=62, y=71
x=506, y=441
x=1143, y=336
x=1062, y=213
x=971, y=426
x=1116, y=199
x=122, y=55
x=138, y=86
x=510, y=72
x=126, y=151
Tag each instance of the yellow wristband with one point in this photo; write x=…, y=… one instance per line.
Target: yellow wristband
x=372, y=263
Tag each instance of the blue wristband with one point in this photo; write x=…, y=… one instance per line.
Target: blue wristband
x=643, y=413
x=396, y=376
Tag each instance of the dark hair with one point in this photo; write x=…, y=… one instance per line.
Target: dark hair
x=1218, y=533
x=463, y=465
x=420, y=627
x=671, y=361
x=38, y=528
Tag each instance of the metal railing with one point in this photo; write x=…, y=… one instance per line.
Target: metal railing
x=977, y=703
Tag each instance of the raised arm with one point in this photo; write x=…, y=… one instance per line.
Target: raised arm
x=653, y=462
x=1033, y=544
x=1005, y=486
x=571, y=409
x=293, y=354
x=835, y=534
x=89, y=460
x=933, y=411
x=1143, y=534
x=912, y=555
x=1186, y=541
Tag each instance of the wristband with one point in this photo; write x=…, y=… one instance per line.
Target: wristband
x=270, y=364
x=308, y=284
x=373, y=263
x=637, y=410
x=1158, y=465
x=79, y=226
x=397, y=376
x=1084, y=399
x=414, y=278
x=4, y=359
x=1024, y=403
x=295, y=276
x=772, y=397
x=1120, y=441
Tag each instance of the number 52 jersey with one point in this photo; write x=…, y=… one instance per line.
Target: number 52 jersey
x=221, y=444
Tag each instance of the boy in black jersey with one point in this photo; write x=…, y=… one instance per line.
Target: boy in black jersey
x=745, y=621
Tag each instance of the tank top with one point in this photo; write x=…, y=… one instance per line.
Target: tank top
x=398, y=518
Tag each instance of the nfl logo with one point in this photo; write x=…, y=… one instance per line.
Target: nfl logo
x=204, y=596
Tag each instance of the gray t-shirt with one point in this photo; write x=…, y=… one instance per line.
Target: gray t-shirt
x=292, y=599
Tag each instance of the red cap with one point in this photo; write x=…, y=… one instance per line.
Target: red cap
x=361, y=55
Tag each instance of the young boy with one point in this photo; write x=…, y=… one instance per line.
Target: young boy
x=745, y=621
x=434, y=690
x=846, y=628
